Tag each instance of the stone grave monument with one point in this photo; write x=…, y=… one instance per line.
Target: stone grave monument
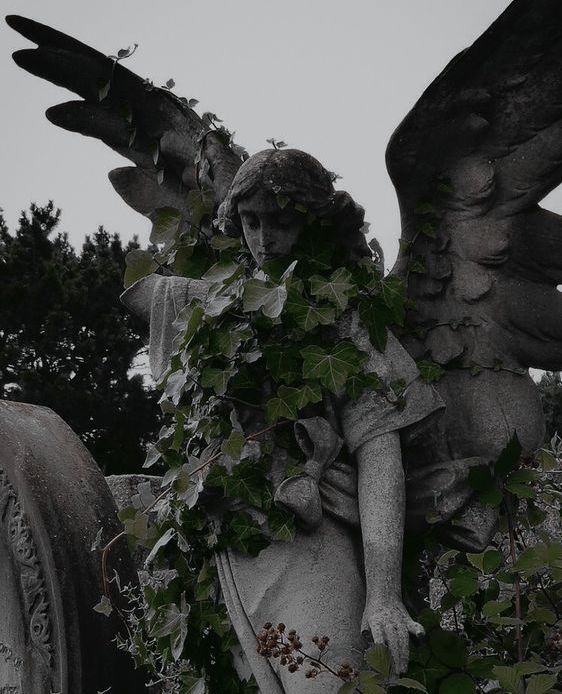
x=53, y=502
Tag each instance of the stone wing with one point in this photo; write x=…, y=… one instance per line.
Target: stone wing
x=470, y=163
x=173, y=149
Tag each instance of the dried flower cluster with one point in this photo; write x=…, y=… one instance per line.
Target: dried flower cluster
x=276, y=642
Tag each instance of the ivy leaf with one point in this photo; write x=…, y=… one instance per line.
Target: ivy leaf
x=139, y=264
x=188, y=323
x=520, y=490
x=309, y=393
x=429, y=370
x=284, y=363
x=337, y=290
x=376, y=317
x=216, y=304
x=315, y=248
x=269, y=297
x=284, y=406
x=332, y=368
x=245, y=533
x=217, y=379
x=161, y=542
x=222, y=243
x=190, y=261
x=247, y=483
x=486, y=562
x=540, y=684
x=227, y=342
x=509, y=678
x=369, y=683
x=448, y=648
x=515, y=483
x=482, y=667
x=424, y=207
x=509, y=457
x=408, y=683
x=222, y=271
x=481, y=480
x=464, y=582
x=137, y=527
x=104, y=606
x=457, y=683
x=355, y=385
x=308, y=316
x=349, y=687
x=531, y=560
x=428, y=229
x=282, y=524
x=393, y=293
x=492, y=560
x=233, y=445
x=378, y=657
x=535, y=515
x=172, y=622
x=166, y=225
x=528, y=667
x=546, y=460
x=495, y=607
x=200, y=203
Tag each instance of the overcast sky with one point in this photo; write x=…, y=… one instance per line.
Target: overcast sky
x=334, y=78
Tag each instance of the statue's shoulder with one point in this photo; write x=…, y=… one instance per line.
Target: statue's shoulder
x=391, y=364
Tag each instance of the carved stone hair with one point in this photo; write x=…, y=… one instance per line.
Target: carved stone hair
x=300, y=177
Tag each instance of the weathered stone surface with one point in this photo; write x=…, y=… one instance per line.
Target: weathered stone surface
x=53, y=502
x=124, y=487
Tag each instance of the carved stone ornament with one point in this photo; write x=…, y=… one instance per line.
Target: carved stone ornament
x=53, y=501
x=28, y=581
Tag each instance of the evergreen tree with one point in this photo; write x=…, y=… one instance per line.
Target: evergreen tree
x=66, y=341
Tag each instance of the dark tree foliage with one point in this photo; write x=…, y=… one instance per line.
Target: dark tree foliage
x=67, y=343
x=550, y=388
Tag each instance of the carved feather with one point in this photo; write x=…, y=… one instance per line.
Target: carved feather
x=148, y=125
x=470, y=163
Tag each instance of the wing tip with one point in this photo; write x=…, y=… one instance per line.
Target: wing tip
x=23, y=25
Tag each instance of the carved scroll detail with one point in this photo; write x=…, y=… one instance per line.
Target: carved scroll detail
x=16, y=530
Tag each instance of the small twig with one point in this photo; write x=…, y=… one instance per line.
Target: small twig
x=114, y=540
x=454, y=607
x=516, y=580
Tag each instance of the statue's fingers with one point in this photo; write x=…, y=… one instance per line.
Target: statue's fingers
x=415, y=628
x=403, y=639
x=377, y=633
x=401, y=647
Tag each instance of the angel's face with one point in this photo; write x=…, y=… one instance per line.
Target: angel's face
x=270, y=231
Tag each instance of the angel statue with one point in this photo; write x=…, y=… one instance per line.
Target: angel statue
x=470, y=163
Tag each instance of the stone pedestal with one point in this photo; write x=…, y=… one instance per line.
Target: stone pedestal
x=53, y=502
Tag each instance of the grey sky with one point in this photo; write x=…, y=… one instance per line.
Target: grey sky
x=332, y=77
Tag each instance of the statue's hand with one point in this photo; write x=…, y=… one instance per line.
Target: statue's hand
x=390, y=624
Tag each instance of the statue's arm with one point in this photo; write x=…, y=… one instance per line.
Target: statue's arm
x=381, y=497
x=159, y=300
